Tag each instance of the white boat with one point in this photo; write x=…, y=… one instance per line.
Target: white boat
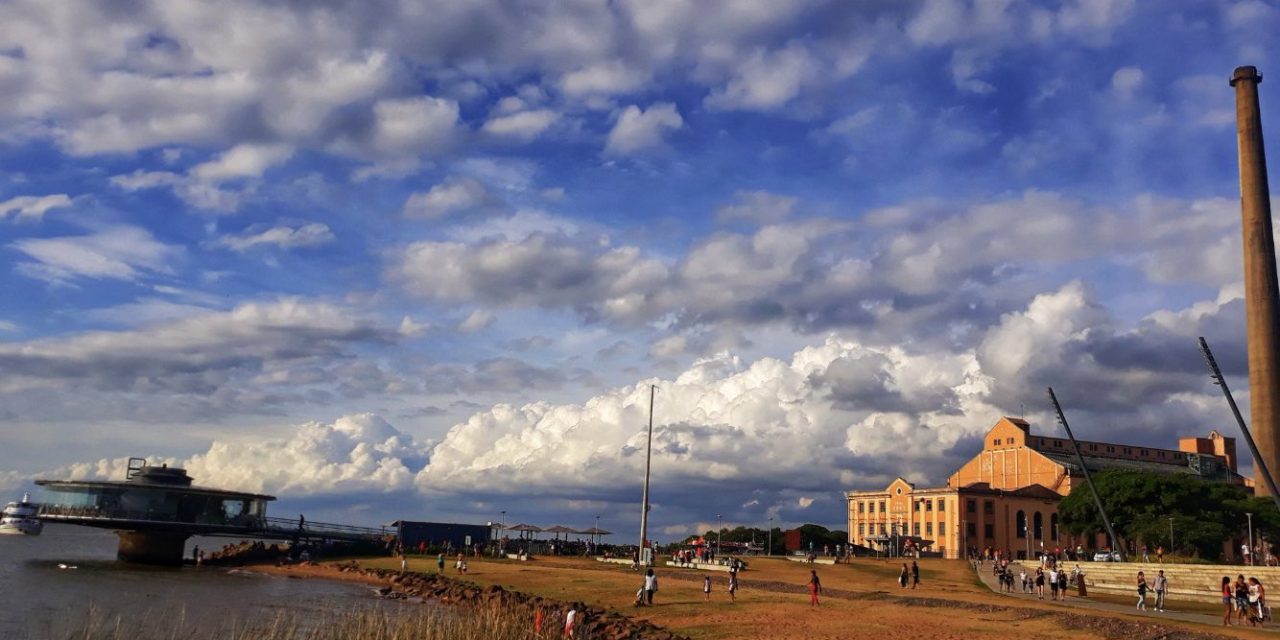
x=19, y=518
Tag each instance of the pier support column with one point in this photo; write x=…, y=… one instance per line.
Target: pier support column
x=151, y=547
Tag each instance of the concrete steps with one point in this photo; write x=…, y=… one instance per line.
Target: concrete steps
x=1194, y=582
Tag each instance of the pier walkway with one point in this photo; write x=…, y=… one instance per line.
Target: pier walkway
x=266, y=528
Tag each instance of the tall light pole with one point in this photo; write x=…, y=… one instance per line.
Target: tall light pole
x=719, y=533
x=597, y=532
x=1027, y=534
x=1250, y=516
x=644, y=500
x=770, y=552
x=1170, y=534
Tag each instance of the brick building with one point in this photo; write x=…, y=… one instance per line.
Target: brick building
x=1007, y=496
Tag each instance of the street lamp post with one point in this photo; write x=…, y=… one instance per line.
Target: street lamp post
x=1170, y=534
x=1027, y=534
x=770, y=551
x=719, y=533
x=1250, y=516
x=644, y=500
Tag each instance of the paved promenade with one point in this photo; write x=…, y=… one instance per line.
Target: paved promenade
x=1075, y=602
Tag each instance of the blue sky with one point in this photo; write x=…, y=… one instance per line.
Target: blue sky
x=404, y=259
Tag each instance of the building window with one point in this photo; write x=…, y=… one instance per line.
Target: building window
x=928, y=505
x=988, y=507
x=971, y=506
x=881, y=528
x=1020, y=524
x=942, y=528
x=915, y=528
x=989, y=531
x=862, y=507
x=971, y=529
x=928, y=528
x=996, y=442
x=1038, y=526
x=862, y=529
x=1111, y=449
x=916, y=505
x=942, y=505
x=882, y=506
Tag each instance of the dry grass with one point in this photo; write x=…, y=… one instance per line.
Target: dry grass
x=403, y=622
x=863, y=600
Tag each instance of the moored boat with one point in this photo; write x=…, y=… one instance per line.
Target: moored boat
x=19, y=518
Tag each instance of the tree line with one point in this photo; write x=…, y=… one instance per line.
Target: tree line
x=1204, y=514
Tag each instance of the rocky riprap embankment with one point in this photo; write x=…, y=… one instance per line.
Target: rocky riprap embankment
x=595, y=622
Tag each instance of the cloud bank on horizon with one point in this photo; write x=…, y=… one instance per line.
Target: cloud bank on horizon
x=424, y=260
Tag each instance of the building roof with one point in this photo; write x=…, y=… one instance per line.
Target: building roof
x=1030, y=491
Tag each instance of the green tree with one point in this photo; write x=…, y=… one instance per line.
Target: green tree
x=1140, y=504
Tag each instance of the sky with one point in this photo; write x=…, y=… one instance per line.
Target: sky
x=426, y=259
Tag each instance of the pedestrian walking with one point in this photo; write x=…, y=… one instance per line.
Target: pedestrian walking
x=915, y=574
x=1160, y=554
x=902, y=577
x=1241, y=589
x=706, y=587
x=815, y=586
x=404, y=562
x=1145, y=557
x=1053, y=584
x=570, y=619
x=1039, y=583
x=1062, y=584
x=1161, y=585
x=1257, y=602
x=733, y=587
x=440, y=562
x=1142, y=592
x=650, y=586
x=1228, y=599
x=1244, y=553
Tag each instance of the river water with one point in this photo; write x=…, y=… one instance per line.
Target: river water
x=39, y=599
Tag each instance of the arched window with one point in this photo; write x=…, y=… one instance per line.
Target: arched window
x=1053, y=526
x=1039, y=526
x=1021, y=524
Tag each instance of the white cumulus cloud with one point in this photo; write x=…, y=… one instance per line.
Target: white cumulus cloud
x=312, y=234
x=642, y=130
x=33, y=207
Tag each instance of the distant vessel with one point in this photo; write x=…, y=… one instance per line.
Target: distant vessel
x=19, y=518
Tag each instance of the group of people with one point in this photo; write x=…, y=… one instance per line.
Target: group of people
x=732, y=588
x=912, y=574
x=574, y=617
x=1160, y=585
x=1246, y=599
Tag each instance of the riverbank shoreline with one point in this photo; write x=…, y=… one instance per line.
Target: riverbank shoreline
x=593, y=621
x=772, y=602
